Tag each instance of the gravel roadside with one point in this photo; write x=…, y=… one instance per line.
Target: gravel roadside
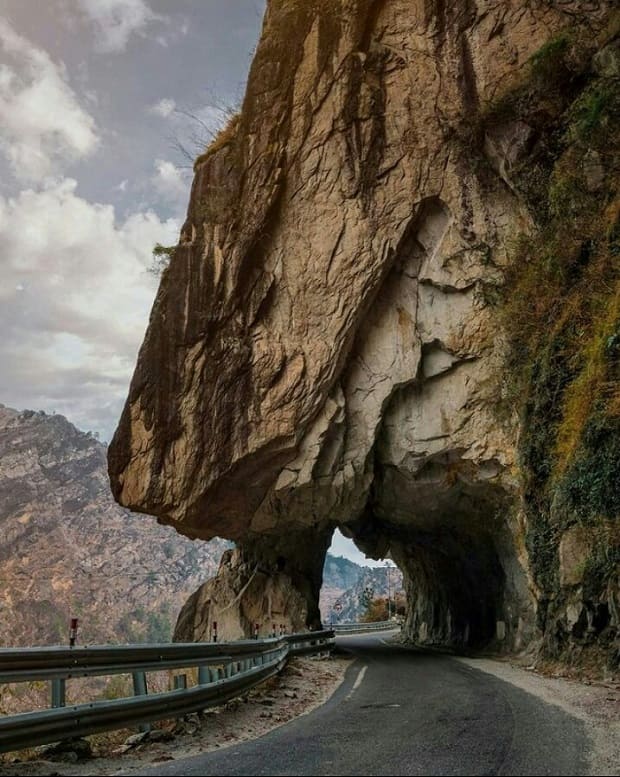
x=596, y=704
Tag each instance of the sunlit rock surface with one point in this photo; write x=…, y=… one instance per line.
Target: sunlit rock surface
x=321, y=351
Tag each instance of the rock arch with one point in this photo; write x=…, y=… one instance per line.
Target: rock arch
x=320, y=352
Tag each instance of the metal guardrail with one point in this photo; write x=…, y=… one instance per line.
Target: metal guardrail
x=355, y=628
x=50, y=663
x=310, y=642
x=225, y=670
x=46, y=663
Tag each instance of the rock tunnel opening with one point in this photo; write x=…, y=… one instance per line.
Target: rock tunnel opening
x=456, y=588
x=357, y=588
x=404, y=457
x=464, y=585
x=436, y=497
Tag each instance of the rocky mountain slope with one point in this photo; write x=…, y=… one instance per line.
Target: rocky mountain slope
x=67, y=550
x=394, y=308
x=371, y=584
x=339, y=575
x=345, y=583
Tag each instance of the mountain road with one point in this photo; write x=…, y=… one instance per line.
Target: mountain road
x=402, y=711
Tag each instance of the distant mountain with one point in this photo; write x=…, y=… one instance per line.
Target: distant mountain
x=339, y=574
x=344, y=583
x=68, y=550
x=373, y=580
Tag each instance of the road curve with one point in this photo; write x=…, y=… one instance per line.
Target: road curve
x=404, y=712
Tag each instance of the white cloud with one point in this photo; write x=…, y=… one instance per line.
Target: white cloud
x=74, y=301
x=170, y=183
x=117, y=20
x=42, y=124
x=164, y=108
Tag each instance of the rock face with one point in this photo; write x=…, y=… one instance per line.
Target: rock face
x=242, y=600
x=321, y=351
x=68, y=550
x=245, y=594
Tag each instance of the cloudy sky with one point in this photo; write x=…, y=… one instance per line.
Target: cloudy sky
x=98, y=100
x=95, y=98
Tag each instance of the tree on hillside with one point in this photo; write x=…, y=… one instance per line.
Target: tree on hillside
x=161, y=259
x=376, y=611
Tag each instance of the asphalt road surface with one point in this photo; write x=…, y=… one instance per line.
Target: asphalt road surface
x=401, y=711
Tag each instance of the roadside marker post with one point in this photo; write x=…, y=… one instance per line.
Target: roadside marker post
x=214, y=631
x=256, y=631
x=73, y=632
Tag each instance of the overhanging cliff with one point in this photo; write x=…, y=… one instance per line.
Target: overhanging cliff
x=323, y=350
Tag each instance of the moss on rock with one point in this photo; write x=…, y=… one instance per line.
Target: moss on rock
x=561, y=313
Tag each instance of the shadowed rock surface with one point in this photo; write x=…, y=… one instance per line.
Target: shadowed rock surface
x=323, y=351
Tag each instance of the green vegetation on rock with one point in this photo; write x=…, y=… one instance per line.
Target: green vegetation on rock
x=560, y=309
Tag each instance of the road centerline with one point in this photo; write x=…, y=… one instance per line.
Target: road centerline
x=358, y=681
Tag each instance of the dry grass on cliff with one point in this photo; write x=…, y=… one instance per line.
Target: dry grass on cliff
x=225, y=136
x=560, y=311
x=563, y=286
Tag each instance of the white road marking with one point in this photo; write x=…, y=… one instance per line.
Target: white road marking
x=357, y=683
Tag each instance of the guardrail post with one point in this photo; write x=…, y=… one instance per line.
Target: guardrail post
x=180, y=682
x=58, y=692
x=140, y=689
x=204, y=676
